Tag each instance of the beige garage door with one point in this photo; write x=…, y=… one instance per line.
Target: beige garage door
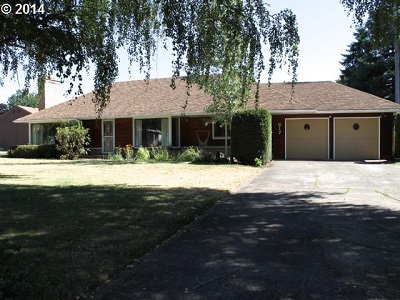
x=356, y=139
x=307, y=139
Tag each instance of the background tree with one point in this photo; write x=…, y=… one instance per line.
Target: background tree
x=368, y=66
x=386, y=26
x=69, y=35
x=23, y=98
x=3, y=108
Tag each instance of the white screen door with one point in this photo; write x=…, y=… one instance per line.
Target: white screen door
x=108, y=136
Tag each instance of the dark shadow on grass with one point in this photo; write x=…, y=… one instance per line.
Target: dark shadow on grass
x=3, y=176
x=61, y=242
x=50, y=161
x=274, y=246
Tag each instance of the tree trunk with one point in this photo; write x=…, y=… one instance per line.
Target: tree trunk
x=397, y=70
x=226, y=142
x=230, y=147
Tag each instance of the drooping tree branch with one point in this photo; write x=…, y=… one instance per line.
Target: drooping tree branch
x=208, y=37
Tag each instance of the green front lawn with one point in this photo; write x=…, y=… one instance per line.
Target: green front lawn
x=64, y=231
x=61, y=242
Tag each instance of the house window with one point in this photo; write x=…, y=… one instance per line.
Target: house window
x=151, y=133
x=43, y=134
x=219, y=131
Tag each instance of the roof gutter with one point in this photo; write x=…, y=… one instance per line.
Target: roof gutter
x=292, y=112
x=360, y=111
x=147, y=116
x=47, y=120
x=272, y=111
x=344, y=111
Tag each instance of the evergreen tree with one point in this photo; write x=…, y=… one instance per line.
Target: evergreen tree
x=385, y=28
x=3, y=108
x=367, y=66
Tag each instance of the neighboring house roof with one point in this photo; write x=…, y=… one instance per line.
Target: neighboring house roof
x=29, y=109
x=156, y=98
x=21, y=109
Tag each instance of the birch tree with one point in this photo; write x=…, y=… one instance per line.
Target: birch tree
x=65, y=37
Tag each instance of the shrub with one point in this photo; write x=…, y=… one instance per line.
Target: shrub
x=258, y=162
x=33, y=151
x=397, y=134
x=66, y=123
x=206, y=156
x=122, y=153
x=11, y=151
x=160, y=154
x=142, y=154
x=190, y=154
x=72, y=141
x=117, y=156
x=251, y=136
x=127, y=152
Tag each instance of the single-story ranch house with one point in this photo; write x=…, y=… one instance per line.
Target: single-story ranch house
x=316, y=120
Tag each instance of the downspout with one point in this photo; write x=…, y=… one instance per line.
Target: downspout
x=170, y=131
x=226, y=132
x=396, y=88
x=226, y=141
x=29, y=133
x=397, y=70
x=226, y=136
x=230, y=108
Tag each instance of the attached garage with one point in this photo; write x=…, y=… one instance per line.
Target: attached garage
x=307, y=138
x=356, y=138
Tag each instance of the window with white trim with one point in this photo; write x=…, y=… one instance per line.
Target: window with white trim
x=43, y=134
x=151, y=132
x=219, y=131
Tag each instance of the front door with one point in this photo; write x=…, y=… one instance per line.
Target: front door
x=108, y=136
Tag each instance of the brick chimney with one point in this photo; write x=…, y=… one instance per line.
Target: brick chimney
x=51, y=93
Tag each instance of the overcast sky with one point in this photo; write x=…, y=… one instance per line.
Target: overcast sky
x=325, y=33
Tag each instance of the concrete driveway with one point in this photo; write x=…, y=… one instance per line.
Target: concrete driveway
x=300, y=230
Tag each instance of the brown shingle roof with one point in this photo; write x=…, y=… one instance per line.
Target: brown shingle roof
x=157, y=98
x=321, y=97
x=28, y=109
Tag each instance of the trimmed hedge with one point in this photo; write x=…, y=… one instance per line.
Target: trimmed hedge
x=34, y=151
x=397, y=135
x=251, y=136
